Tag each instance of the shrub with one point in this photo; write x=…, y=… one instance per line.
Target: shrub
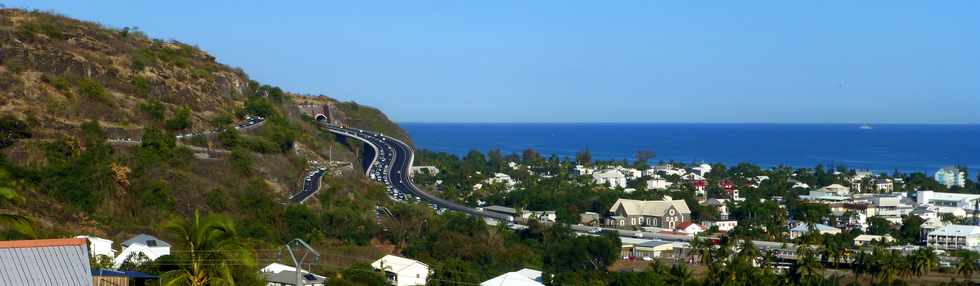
x=92, y=89
x=241, y=160
x=157, y=195
x=180, y=121
x=141, y=85
x=153, y=108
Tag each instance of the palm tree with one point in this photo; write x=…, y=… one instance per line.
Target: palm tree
x=807, y=264
x=680, y=275
x=860, y=264
x=19, y=226
x=929, y=258
x=208, y=250
x=967, y=264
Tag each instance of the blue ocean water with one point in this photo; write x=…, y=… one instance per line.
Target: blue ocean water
x=884, y=148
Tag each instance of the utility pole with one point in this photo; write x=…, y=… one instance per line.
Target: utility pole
x=299, y=243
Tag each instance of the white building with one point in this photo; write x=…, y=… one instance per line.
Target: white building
x=689, y=227
x=966, y=202
x=145, y=244
x=702, y=169
x=611, y=177
x=951, y=176
x=284, y=275
x=402, y=271
x=582, y=170
x=863, y=239
x=835, y=189
x=723, y=225
x=803, y=228
x=523, y=277
x=954, y=236
x=99, y=246
x=658, y=184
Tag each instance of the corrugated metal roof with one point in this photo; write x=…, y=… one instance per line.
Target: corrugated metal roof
x=52, y=262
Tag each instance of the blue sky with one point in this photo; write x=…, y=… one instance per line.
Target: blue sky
x=592, y=61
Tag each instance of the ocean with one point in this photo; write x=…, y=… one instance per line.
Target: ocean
x=883, y=148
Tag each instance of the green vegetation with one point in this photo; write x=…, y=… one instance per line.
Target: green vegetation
x=210, y=253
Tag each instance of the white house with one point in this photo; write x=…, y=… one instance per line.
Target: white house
x=582, y=170
x=834, y=189
x=954, y=236
x=702, y=169
x=803, y=228
x=863, y=239
x=950, y=176
x=612, y=177
x=146, y=244
x=99, y=246
x=723, y=225
x=402, y=271
x=523, y=277
x=284, y=275
x=689, y=227
x=658, y=184
x=946, y=200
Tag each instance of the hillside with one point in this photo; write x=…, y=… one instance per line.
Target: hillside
x=75, y=85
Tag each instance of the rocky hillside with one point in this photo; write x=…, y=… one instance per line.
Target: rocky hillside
x=75, y=85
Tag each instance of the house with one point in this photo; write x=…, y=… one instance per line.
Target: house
x=721, y=205
x=582, y=170
x=544, y=216
x=402, y=271
x=611, y=177
x=99, y=246
x=523, y=277
x=666, y=213
x=589, y=218
x=884, y=185
x=954, y=237
x=649, y=248
x=702, y=169
x=689, y=227
x=950, y=177
x=431, y=170
x=864, y=239
x=122, y=278
x=804, y=228
x=658, y=184
x=145, y=244
x=722, y=225
x=834, y=189
x=284, y=275
x=54, y=262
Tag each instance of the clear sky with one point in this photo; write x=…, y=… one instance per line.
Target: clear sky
x=592, y=61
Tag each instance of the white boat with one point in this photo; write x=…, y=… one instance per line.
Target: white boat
x=866, y=127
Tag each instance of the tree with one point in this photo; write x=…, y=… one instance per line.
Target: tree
x=530, y=155
x=207, y=249
x=879, y=226
x=18, y=226
x=584, y=157
x=967, y=264
x=643, y=157
x=180, y=121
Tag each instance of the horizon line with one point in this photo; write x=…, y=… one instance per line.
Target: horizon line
x=681, y=122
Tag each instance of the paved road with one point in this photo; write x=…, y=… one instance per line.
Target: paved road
x=392, y=164
x=310, y=186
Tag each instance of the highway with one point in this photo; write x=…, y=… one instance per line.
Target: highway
x=310, y=186
x=392, y=166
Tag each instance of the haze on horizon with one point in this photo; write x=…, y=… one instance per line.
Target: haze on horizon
x=554, y=61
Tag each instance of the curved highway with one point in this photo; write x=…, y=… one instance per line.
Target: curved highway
x=392, y=165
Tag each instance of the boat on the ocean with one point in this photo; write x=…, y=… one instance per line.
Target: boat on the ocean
x=866, y=127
